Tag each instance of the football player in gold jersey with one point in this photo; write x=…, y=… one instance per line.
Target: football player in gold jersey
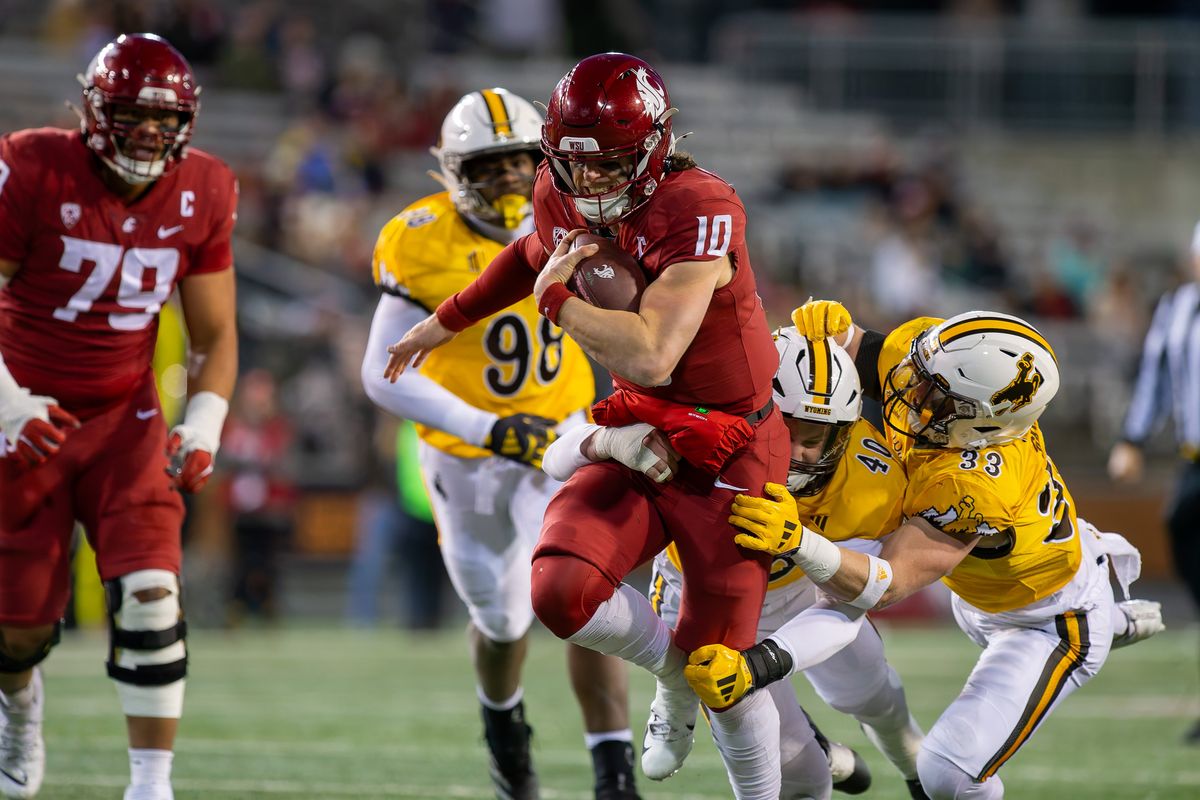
x=846, y=484
x=486, y=406
x=987, y=511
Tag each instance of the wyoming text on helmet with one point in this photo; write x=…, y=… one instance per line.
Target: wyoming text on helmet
x=978, y=379
x=138, y=71
x=609, y=106
x=486, y=123
x=817, y=390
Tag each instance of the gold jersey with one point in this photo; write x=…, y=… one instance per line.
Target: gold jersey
x=515, y=361
x=1011, y=495
x=862, y=500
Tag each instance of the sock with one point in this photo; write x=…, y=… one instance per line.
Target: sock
x=748, y=737
x=626, y=626
x=502, y=705
x=149, y=766
x=590, y=740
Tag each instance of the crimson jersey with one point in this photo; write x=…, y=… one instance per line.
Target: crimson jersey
x=692, y=216
x=78, y=320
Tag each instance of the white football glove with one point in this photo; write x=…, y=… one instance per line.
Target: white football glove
x=193, y=443
x=1144, y=618
x=33, y=425
x=627, y=444
x=624, y=444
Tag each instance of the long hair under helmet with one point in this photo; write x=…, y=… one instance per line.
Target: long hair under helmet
x=609, y=106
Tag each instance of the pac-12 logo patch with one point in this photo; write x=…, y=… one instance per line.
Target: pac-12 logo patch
x=70, y=213
x=558, y=235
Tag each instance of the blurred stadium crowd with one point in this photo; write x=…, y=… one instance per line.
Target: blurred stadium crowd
x=327, y=116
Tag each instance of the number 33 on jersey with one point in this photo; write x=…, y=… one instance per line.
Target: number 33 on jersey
x=514, y=361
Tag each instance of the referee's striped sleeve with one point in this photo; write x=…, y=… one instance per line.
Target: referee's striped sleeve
x=1150, y=393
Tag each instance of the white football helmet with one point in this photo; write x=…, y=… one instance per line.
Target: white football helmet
x=485, y=123
x=818, y=384
x=978, y=379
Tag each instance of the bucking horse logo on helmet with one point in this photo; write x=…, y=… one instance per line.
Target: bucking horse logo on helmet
x=1021, y=390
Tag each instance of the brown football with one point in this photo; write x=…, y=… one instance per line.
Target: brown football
x=611, y=278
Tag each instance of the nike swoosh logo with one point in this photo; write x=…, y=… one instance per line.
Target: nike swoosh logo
x=22, y=781
x=163, y=233
x=720, y=484
x=146, y=413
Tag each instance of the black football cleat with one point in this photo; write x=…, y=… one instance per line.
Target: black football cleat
x=612, y=762
x=510, y=763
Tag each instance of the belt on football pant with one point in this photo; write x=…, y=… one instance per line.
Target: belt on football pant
x=755, y=417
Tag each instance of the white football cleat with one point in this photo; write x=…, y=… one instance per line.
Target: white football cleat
x=22, y=750
x=670, y=732
x=1144, y=619
x=150, y=791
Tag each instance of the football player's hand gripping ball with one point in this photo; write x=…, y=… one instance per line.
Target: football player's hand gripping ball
x=821, y=319
x=718, y=675
x=522, y=437
x=770, y=524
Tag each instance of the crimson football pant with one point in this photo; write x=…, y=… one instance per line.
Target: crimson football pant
x=109, y=475
x=607, y=520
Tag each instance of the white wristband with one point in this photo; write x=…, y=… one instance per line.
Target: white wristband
x=879, y=578
x=817, y=556
x=206, y=416
x=564, y=455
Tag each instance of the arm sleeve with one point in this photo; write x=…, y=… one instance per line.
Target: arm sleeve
x=866, y=361
x=415, y=396
x=564, y=455
x=507, y=280
x=216, y=253
x=1150, y=392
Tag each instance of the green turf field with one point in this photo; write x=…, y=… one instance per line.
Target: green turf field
x=342, y=714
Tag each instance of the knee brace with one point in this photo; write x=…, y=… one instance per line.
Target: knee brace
x=566, y=592
x=147, y=654
x=13, y=665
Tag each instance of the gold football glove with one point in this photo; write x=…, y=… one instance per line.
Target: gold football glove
x=522, y=437
x=820, y=319
x=771, y=524
x=719, y=676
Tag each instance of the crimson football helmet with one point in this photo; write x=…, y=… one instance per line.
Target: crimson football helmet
x=143, y=71
x=609, y=106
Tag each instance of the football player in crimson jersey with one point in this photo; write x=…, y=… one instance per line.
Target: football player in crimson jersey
x=485, y=406
x=696, y=361
x=97, y=227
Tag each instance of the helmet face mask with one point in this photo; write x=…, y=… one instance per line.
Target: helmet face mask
x=609, y=108
x=824, y=444
x=976, y=380
x=140, y=101
x=817, y=390
x=481, y=129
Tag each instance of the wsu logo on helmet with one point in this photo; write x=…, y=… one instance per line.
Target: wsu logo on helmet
x=655, y=99
x=1023, y=387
